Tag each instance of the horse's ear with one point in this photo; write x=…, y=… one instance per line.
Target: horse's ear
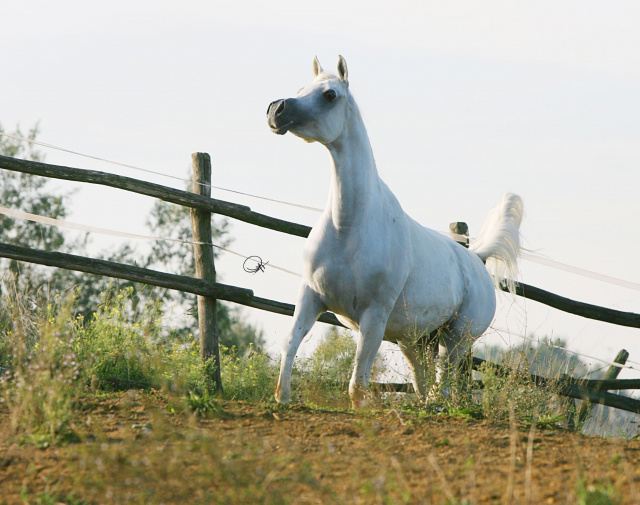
x=317, y=68
x=343, y=73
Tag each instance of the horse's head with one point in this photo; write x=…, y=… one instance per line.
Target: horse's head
x=319, y=111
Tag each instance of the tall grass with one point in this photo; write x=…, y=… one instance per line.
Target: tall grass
x=116, y=349
x=48, y=357
x=43, y=374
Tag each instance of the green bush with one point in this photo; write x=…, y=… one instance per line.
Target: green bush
x=117, y=351
x=252, y=377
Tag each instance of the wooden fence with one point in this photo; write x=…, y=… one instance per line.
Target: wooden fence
x=207, y=289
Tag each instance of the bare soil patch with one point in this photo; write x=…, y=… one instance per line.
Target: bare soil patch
x=139, y=447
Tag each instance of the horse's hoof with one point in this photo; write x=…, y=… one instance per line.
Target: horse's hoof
x=281, y=397
x=360, y=397
x=359, y=404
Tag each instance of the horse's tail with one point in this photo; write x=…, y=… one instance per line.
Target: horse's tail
x=498, y=243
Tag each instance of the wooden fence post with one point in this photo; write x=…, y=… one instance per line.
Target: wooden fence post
x=612, y=372
x=459, y=232
x=205, y=268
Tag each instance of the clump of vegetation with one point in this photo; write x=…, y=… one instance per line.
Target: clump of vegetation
x=43, y=374
x=332, y=360
x=513, y=390
x=513, y=386
x=118, y=350
x=250, y=377
x=323, y=378
x=202, y=405
x=596, y=494
x=50, y=357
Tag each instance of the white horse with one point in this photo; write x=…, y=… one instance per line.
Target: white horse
x=384, y=275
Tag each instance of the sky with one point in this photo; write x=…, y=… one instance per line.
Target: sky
x=463, y=101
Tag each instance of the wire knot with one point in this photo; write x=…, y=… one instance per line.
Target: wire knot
x=258, y=268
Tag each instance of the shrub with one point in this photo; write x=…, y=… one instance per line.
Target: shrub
x=116, y=347
x=252, y=377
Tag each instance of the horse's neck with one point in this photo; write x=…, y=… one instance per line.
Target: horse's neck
x=354, y=182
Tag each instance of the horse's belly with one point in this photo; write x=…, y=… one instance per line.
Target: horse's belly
x=430, y=298
x=408, y=321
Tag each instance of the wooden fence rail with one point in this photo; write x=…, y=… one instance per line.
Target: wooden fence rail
x=593, y=391
x=200, y=287
x=245, y=214
x=574, y=307
x=172, y=195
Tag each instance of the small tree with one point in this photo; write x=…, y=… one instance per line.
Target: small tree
x=32, y=194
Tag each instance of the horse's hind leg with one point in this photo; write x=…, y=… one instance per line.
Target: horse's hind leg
x=452, y=347
x=420, y=354
x=454, y=342
x=469, y=322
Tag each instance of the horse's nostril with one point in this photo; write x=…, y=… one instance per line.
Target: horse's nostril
x=276, y=108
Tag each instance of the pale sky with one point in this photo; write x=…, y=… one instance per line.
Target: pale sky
x=463, y=102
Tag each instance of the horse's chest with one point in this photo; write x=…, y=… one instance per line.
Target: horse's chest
x=333, y=274
x=347, y=273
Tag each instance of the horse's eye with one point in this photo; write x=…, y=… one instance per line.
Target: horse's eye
x=329, y=95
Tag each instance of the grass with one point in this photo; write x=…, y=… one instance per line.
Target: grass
x=596, y=494
x=118, y=349
x=52, y=362
x=42, y=379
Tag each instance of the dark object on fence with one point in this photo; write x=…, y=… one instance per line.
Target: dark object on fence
x=459, y=232
x=259, y=266
x=205, y=267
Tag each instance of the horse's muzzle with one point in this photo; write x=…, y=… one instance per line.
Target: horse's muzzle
x=278, y=117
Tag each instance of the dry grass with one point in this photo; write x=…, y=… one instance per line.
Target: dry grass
x=65, y=440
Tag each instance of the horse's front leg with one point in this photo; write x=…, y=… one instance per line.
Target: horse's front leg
x=308, y=309
x=372, y=328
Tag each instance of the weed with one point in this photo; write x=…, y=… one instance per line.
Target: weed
x=515, y=389
x=117, y=351
x=596, y=494
x=48, y=497
x=250, y=378
x=202, y=405
x=323, y=378
x=470, y=412
x=545, y=421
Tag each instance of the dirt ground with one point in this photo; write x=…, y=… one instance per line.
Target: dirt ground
x=139, y=447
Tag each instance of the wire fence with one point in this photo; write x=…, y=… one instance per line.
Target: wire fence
x=526, y=255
